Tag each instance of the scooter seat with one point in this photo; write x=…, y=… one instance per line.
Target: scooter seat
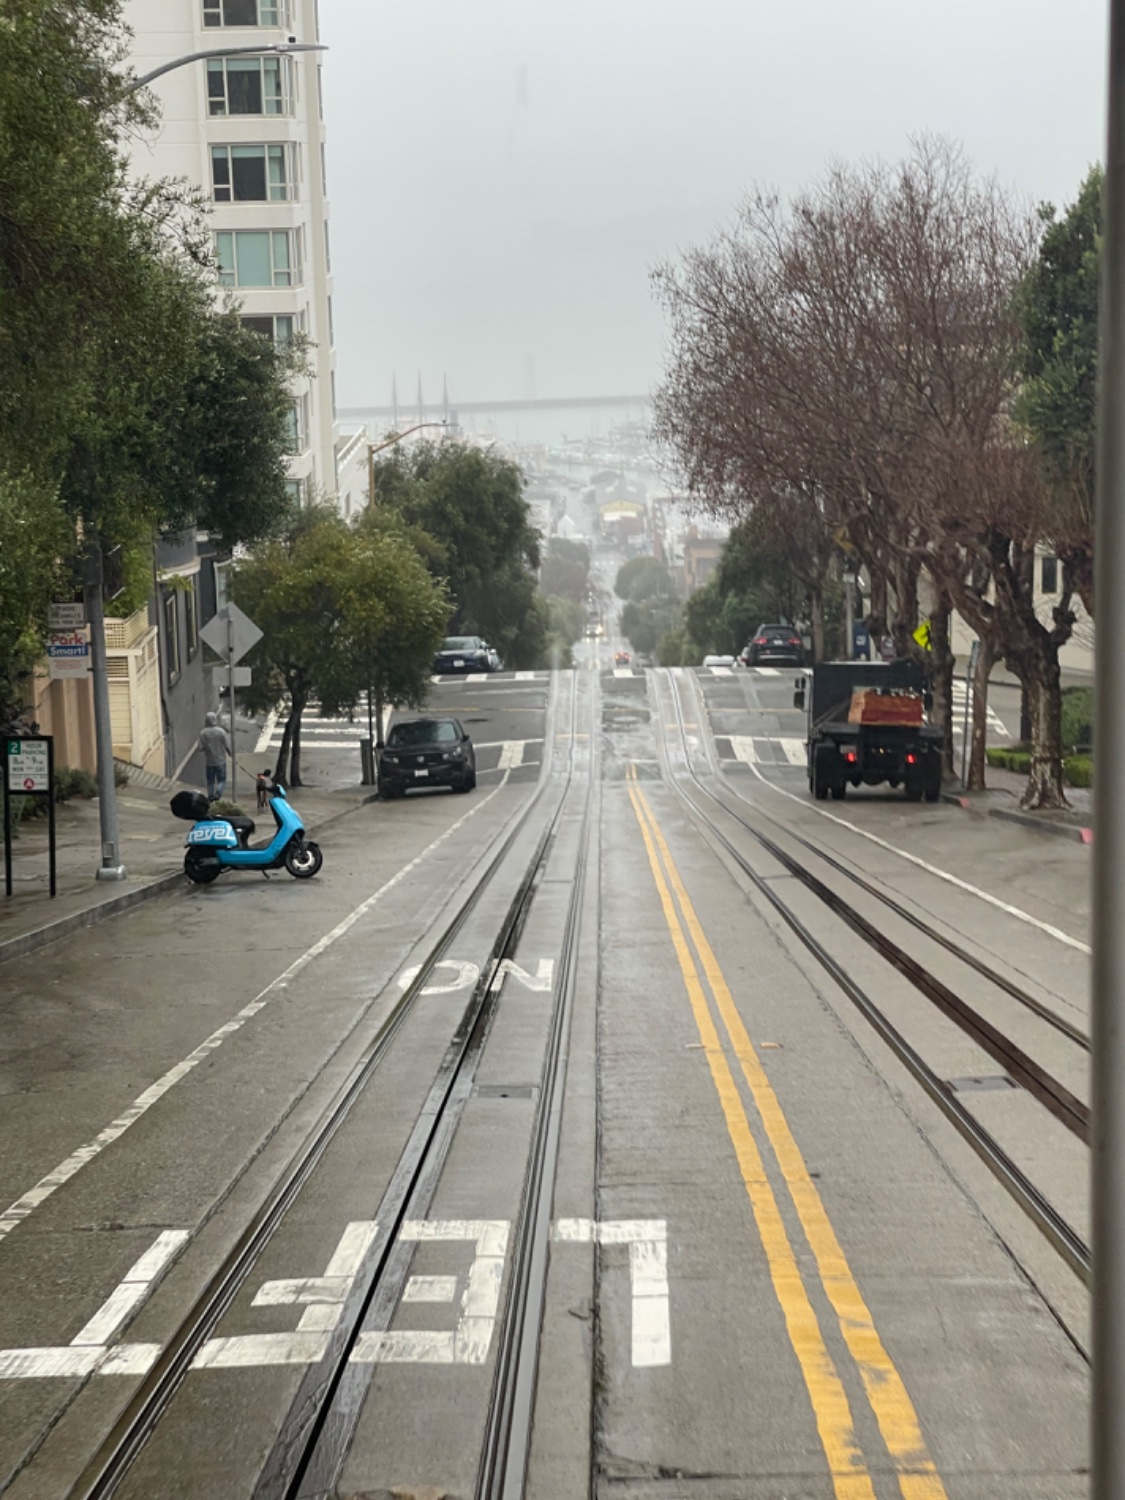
x=241, y=824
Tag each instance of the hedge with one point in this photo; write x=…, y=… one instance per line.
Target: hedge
x=1078, y=769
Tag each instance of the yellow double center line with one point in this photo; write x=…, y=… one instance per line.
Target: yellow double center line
x=894, y=1412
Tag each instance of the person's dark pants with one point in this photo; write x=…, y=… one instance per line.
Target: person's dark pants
x=216, y=782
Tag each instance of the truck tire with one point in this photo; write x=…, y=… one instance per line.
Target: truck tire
x=933, y=779
x=820, y=776
x=839, y=790
x=913, y=787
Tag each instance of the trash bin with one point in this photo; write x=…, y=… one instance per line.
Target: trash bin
x=367, y=762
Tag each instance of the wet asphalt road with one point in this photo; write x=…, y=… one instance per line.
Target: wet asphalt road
x=773, y=1270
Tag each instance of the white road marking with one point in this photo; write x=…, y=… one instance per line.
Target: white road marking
x=964, y=885
x=721, y=671
x=623, y=672
x=88, y=1351
x=465, y=974
x=795, y=752
x=26, y=1205
x=499, y=744
x=958, y=696
x=430, y=1289
x=540, y=982
x=743, y=748
x=648, y=1278
x=769, y=671
x=511, y=756
x=264, y=739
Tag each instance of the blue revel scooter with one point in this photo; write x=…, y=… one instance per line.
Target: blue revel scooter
x=218, y=844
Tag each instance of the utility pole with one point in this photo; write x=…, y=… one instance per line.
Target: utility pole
x=1107, y=1042
x=110, y=866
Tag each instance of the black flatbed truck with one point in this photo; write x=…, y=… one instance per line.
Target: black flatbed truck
x=840, y=753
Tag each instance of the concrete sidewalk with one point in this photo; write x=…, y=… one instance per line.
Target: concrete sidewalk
x=152, y=846
x=1001, y=799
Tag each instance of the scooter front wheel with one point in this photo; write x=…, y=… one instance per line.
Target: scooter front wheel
x=201, y=866
x=303, y=860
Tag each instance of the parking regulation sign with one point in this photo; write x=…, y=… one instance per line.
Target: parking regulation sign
x=29, y=766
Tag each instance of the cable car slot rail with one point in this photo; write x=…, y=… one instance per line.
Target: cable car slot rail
x=1048, y=1090
x=317, y=1431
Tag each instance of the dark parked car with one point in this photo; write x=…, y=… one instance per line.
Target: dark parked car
x=427, y=752
x=464, y=653
x=774, y=643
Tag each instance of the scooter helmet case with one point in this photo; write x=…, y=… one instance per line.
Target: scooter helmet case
x=193, y=807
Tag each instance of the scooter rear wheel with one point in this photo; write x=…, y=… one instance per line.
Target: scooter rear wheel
x=201, y=866
x=303, y=860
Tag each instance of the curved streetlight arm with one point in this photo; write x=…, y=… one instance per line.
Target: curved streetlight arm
x=373, y=448
x=179, y=62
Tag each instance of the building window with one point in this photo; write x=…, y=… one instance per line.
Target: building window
x=333, y=395
x=298, y=424
x=250, y=85
x=296, y=489
x=278, y=328
x=191, y=619
x=258, y=257
x=327, y=248
x=1049, y=575
x=253, y=174
x=323, y=170
x=246, y=12
x=331, y=326
x=171, y=639
x=320, y=89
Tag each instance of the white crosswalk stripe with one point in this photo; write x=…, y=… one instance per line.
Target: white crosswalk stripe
x=959, y=694
x=768, y=750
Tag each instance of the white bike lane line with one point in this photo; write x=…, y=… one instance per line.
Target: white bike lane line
x=24, y=1206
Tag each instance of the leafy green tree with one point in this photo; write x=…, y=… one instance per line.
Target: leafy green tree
x=566, y=570
x=1057, y=402
x=393, y=619
x=644, y=622
x=470, y=504
x=34, y=538
x=643, y=578
x=566, y=618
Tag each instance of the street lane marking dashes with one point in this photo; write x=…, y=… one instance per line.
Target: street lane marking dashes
x=744, y=748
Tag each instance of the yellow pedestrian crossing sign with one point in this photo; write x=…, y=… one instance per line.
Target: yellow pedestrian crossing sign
x=924, y=636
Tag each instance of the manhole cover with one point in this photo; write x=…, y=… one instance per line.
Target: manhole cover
x=981, y=1085
x=507, y=1091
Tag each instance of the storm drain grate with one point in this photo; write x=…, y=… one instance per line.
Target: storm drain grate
x=507, y=1091
x=982, y=1085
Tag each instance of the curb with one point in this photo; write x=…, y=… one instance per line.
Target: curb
x=1073, y=831
x=51, y=932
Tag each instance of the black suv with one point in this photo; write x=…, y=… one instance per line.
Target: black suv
x=427, y=752
x=463, y=653
x=774, y=643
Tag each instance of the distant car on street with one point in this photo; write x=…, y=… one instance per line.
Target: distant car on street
x=774, y=643
x=621, y=659
x=718, y=661
x=464, y=653
x=427, y=752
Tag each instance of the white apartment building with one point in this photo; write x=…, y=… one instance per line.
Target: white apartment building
x=249, y=130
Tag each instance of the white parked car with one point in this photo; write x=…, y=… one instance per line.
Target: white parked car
x=718, y=661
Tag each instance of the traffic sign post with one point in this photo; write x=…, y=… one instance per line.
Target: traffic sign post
x=230, y=634
x=29, y=771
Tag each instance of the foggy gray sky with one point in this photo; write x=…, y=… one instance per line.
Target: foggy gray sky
x=503, y=173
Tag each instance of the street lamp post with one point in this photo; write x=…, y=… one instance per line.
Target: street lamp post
x=373, y=448
x=282, y=48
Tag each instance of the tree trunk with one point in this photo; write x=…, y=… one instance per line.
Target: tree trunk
x=1025, y=715
x=816, y=621
x=985, y=662
x=1045, y=781
x=281, y=764
x=942, y=666
x=298, y=709
x=379, y=706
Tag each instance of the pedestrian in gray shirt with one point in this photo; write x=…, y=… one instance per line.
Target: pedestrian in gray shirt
x=215, y=744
